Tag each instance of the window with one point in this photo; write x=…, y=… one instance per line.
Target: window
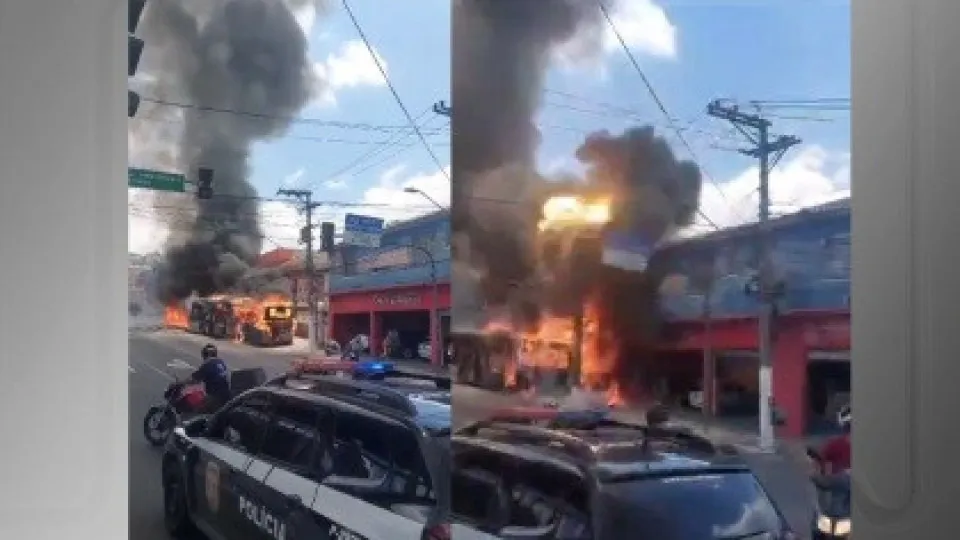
x=412, y=477
x=361, y=448
x=480, y=499
x=294, y=435
x=731, y=505
x=244, y=424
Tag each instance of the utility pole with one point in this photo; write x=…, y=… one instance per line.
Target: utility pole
x=306, y=237
x=757, y=130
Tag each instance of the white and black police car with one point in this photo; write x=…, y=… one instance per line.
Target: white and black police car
x=313, y=455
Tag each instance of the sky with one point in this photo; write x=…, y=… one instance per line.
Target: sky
x=691, y=51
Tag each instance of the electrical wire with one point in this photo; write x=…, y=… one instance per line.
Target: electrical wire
x=331, y=140
x=393, y=90
x=392, y=141
x=362, y=126
x=661, y=106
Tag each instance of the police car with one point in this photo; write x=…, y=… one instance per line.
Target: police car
x=552, y=475
x=312, y=455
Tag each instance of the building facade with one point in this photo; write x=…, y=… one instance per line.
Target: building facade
x=395, y=286
x=711, y=318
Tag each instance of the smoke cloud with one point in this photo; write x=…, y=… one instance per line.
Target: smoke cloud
x=238, y=55
x=500, y=56
x=501, y=53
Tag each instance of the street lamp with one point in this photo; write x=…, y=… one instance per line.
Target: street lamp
x=413, y=190
x=435, y=346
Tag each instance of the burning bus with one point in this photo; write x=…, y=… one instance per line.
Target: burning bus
x=269, y=322
x=265, y=321
x=212, y=316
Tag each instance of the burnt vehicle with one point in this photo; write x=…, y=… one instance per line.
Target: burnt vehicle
x=200, y=317
x=578, y=475
x=270, y=323
x=314, y=453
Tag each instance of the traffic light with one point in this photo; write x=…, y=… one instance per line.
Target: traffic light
x=134, y=51
x=134, y=12
x=205, y=183
x=326, y=236
x=133, y=103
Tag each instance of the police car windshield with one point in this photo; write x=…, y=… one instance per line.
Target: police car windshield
x=728, y=506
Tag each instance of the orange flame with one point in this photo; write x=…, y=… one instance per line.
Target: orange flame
x=259, y=311
x=551, y=344
x=175, y=316
x=572, y=211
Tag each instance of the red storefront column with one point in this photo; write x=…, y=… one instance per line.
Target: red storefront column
x=436, y=348
x=376, y=334
x=790, y=382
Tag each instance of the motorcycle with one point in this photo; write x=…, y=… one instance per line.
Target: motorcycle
x=832, y=517
x=180, y=397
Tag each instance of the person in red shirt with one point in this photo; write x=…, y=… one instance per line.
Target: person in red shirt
x=835, y=454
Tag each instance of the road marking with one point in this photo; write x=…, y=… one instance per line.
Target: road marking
x=131, y=369
x=160, y=372
x=176, y=363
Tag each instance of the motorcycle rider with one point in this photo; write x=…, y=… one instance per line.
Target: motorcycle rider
x=214, y=376
x=835, y=454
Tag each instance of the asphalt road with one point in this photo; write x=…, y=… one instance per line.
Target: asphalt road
x=156, y=358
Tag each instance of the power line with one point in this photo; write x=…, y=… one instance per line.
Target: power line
x=327, y=140
x=661, y=106
x=386, y=159
x=396, y=96
x=291, y=119
x=392, y=141
x=338, y=204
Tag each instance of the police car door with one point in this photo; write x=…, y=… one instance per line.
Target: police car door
x=356, y=501
x=225, y=453
x=275, y=505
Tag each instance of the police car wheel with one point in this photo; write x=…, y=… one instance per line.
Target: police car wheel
x=175, y=516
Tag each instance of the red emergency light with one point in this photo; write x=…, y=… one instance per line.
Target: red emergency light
x=322, y=367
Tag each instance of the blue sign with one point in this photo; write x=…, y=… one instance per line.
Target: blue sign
x=362, y=231
x=810, y=256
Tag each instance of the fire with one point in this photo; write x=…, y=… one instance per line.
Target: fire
x=256, y=311
x=550, y=347
x=572, y=211
x=175, y=316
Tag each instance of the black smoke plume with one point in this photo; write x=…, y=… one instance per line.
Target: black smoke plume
x=237, y=55
x=501, y=50
x=501, y=53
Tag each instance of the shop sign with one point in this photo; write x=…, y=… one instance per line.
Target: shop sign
x=408, y=299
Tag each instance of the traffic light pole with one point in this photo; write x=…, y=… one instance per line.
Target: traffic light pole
x=768, y=290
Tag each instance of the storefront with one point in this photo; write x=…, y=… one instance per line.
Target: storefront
x=811, y=364
x=404, y=309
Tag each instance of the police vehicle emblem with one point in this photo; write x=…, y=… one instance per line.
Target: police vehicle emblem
x=212, y=486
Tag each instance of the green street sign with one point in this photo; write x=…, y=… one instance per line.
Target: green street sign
x=155, y=180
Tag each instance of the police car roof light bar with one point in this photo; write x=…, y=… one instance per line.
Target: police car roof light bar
x=553, y=419
x=362, y=393
x=442, y=381
x=550, y=416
